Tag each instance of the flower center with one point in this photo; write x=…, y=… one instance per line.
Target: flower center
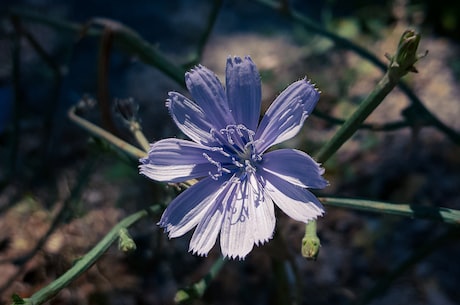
x=236, y=143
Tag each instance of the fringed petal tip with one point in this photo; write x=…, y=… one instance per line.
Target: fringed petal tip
x=233, y=60
x=314, y=86
x=142, y=161
x=195, y=69
x=320, y=212
x=141, y=167
x=237, y=59
x=197, y=252
x=322, y=170
x=172, y=231
x=168, y=101
x=231, y=256
x=164, y=225
x=239, y=257
x=261, y=242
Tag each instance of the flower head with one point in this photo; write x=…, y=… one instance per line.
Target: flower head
x=240, y=179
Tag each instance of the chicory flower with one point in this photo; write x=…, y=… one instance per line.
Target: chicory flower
x=239, y=179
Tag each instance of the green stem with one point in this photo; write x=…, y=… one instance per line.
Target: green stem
x=374, y=127
x=87, y=260
x=103, y=134
x=400, y=64
x=136, y=130
x=198, y=289
x=440, y=214
x=384, y=86
x=312, y=26
x=75, y=194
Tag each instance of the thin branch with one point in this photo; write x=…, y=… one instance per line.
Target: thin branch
x=75, y=193
x=202, y=41
x=87, y=260
x=103, y=92
x=198, y=289
x=400, y=64
x=440, y=214
x=374, y=127
x=128, y=39
x=312, y=26
x=103, y=134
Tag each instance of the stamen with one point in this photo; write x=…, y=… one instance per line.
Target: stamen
x=256, y=157
x=220, y=169
x=238, y=144
x=213, y=162
x=237, y=163
x=249, y=168
x=235, y=180
x=239, y=129
x=241, y=215
x=228, y=132
x=220, y=150
x=215, y=176
x=216, y=135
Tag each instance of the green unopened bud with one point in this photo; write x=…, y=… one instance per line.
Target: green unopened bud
x=406, y=55
x=125, y=241
x=407, y=48
x=127, y=109
x=181, y=297
x=310, y=242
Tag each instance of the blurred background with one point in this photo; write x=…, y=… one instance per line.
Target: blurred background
x=61, y=190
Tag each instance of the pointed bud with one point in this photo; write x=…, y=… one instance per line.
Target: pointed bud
x=406, y=55
x=310, y=242
x=125, y=242
x=127, y=109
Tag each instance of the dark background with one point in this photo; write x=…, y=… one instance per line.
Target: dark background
x=44, y=156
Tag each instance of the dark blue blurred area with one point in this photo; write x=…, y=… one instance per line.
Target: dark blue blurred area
x=6, y=107
x=174, y=26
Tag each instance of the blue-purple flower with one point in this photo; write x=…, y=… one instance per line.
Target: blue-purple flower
x=239, y=179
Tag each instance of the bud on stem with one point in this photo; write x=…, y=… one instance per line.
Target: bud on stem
x=310, y=242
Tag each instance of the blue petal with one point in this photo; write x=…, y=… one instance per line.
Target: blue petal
x=236, y=236
x=296, y=167
x=176, y=160
x=205, y=235
x=187, y=209
x=286, y=115
x=190, y=118
x=261, y=211
x=206, y=232
x=208, y=93
x=242, y=215
x=298, y=203
x=243, y=91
